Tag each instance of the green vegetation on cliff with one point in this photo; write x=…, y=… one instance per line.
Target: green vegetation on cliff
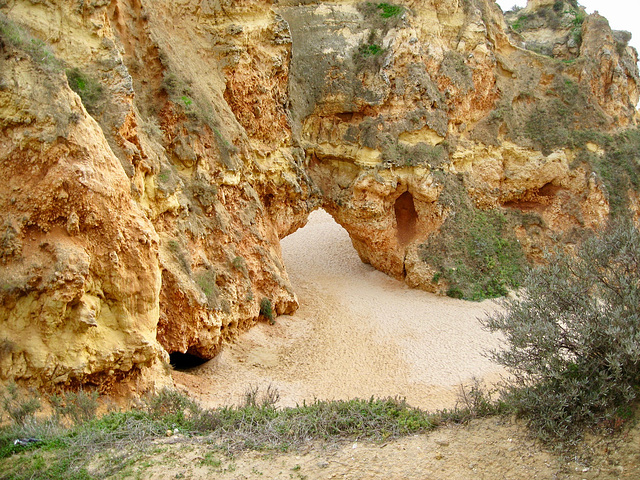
x=558, y=119
x=618, y=167
x=380, y=18
x=266, y=310
x=20, y=38
x=88, y=88
x=476, y=251
x=562, y=15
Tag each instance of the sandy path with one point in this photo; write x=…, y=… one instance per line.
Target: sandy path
x=485, y=449
x=357, y=333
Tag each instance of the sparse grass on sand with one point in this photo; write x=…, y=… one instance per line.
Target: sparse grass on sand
x=73, y=444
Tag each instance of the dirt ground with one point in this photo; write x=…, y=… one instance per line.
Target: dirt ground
x=494, y=448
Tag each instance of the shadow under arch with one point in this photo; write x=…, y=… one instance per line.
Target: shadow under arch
x=406, y=218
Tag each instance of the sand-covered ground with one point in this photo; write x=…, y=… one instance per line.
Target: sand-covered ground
x=358, y=333
x=486, y=449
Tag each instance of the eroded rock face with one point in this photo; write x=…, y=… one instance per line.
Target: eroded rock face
x=156, y=229
x=80, y=283
x=407, y=107
x=143, y=216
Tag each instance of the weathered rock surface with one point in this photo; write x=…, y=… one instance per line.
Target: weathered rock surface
x=144, y=218
x=449, y=93
x=157, y=228
x=80, y=272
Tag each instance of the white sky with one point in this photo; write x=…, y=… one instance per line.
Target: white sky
x=622, y=14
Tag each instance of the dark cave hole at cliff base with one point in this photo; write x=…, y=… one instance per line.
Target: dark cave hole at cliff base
x=406, y=217
x=185, y=361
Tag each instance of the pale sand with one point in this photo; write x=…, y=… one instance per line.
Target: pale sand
x=358, y=333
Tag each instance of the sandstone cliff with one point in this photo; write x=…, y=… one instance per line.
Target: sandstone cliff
x=146, y=218
x=156, y=152
x=419, y=117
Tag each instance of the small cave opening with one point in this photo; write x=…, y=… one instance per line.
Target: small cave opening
x=549, y=190
x=185, y=361
x=406, y=218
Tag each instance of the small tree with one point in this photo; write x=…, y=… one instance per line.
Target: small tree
x=573, y=336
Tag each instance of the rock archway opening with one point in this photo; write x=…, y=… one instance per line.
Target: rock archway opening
x=406, y=218
x=185, y=361
x=321, y=248
x=356, y=334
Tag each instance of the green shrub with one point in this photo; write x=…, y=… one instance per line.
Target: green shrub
x=11, y=32
x=88, y=89
x=266, y=310
x=382, y=15
x=184, y=95
x=206, y=280
x=476, y=401
x=78, y=407
x=573, y=336
x=268, y=399
x=172, y=408
x=578, y=18
x=19, y=408
x=370, y=50
x=37, y=49
x=521, y=22
x=388, y=10
x=555, y=119
x=619, y=168
x=43, y=467
x=379, y=19
x=576, y=35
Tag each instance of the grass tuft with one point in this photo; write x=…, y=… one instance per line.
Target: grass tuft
x=370, y=50
x=388, y=10
x=266, y=310
x=18, y=37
